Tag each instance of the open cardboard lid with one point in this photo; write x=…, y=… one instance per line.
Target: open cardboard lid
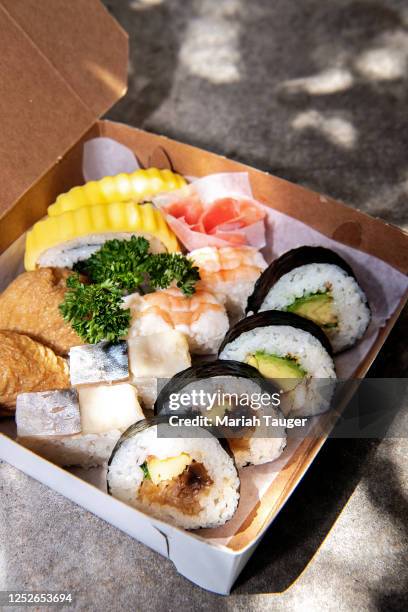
x=62, y=65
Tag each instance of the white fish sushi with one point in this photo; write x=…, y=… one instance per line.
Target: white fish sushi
x=156, y=356
x=48, y=413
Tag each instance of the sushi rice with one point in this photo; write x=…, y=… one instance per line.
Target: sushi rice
x=349, y=301
x=201, y=317
x=255, y=450
x=230, y=274
x=217, y=502
x=312, y=394
x=236, y=384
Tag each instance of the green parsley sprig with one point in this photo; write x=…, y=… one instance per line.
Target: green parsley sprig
x=130, y=266
x=121, y=266
x=95, y=311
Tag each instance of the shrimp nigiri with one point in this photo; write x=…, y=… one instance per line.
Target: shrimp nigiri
x=201, y=317
x=230, y=274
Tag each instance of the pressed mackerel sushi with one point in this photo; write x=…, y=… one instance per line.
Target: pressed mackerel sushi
x=72, y=427
x=315, y=283
x=231, y=393
x=178, y=474
x=230, y=274
x=201, y=317
x=96, y=363
x=290, y=350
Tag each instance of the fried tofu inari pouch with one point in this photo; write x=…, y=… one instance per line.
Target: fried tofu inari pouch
x=30, y=304
x=27, y=365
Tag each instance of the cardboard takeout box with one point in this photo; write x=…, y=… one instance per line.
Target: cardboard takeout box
x=63, y=64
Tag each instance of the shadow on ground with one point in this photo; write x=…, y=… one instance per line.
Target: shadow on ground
x=155, y=34
x=319, y=97
x=301, y=527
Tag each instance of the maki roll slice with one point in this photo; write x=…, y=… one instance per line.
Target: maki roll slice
x=291, y=351
x=315, y=283
x=230, y=400
x=181, y=475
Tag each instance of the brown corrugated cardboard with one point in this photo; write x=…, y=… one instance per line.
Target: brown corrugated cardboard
x=62, y=64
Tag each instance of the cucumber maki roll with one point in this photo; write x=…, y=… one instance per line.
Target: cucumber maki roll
x=232, y=393
x=315, y=283
x=291, y=351
x=190, y=482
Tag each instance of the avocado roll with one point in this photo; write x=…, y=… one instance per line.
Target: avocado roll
x=235, y=400
x=315, y=283
x=291, y=351
x=190, y=482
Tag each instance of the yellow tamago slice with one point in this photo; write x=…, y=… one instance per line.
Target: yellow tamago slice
x=117, y=217
x=167, y=469
x=136, y=187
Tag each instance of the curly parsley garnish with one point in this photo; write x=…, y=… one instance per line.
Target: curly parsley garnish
x=130, y=266
x=120, y=267
x=95, y=311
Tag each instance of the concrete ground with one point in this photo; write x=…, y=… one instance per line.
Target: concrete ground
x=315, y=92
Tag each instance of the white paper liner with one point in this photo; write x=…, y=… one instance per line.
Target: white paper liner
x=106, y=157
x=384, y=286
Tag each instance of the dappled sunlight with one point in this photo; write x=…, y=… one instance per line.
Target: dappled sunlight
x=210, y=49
x=336, y=129
x=387, y=61
x=140, y=5
x=381, y=64
x=114, y=83
x=328, y=81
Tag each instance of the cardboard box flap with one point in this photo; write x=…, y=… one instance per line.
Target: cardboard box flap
x=62, y=65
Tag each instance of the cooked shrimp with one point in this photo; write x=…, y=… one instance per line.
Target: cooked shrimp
x=201, y=317
x=230, y=274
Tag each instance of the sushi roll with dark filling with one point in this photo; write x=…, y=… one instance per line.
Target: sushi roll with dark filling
x=315, y=283
x=291, y=351
x=233, y=393
x=177, y=474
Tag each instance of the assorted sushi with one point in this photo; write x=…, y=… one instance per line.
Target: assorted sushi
x=318, y=284
x=137, y=278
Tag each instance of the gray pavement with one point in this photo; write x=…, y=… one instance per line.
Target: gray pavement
x=316, y=92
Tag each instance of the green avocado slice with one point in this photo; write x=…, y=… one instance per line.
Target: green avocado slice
x=317, y=307
x=285, y=370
